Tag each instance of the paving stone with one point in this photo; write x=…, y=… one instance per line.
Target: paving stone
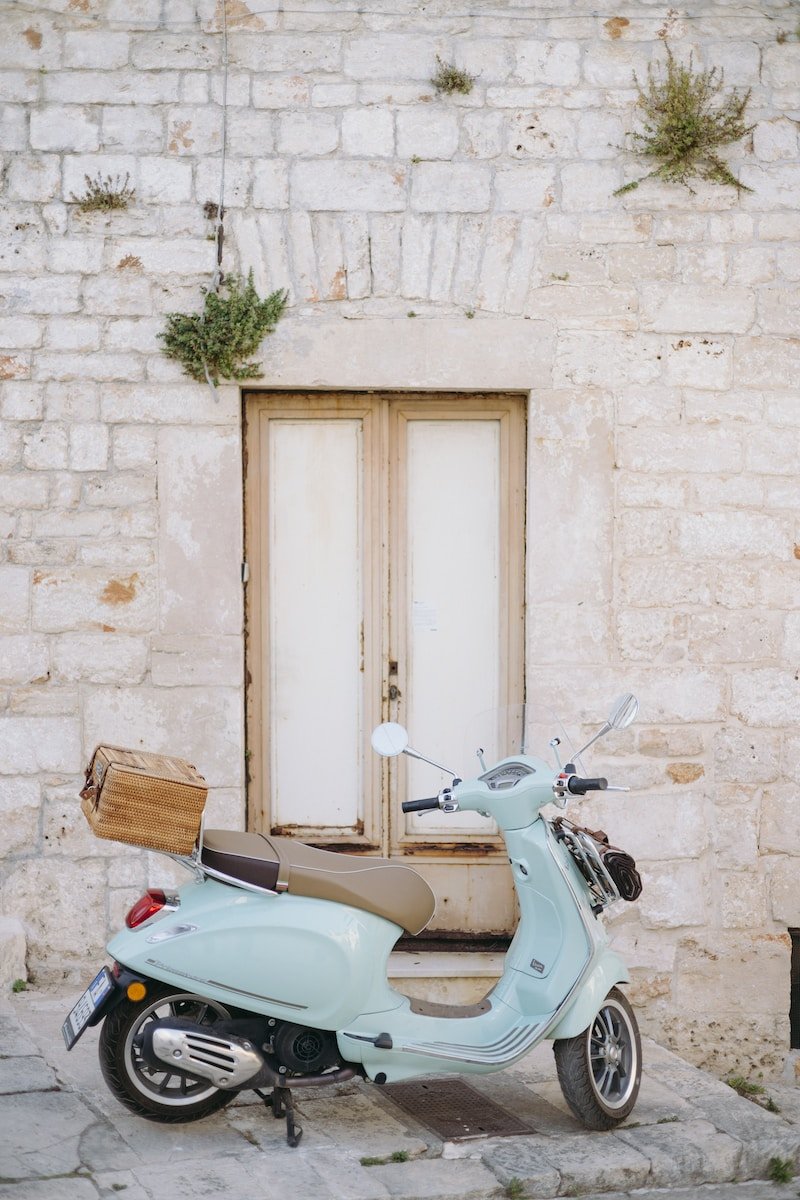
x=14, y=1039
x=762, y=1135
x=42, y=1133
x=28, y=1074
x=363, y=1124
x=437, y=1179
x=71, y=1188
x=523, y=1159
x=685, y=1152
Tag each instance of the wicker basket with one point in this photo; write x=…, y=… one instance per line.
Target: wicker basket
x=143, y=799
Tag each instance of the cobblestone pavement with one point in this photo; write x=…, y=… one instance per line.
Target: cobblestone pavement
x=64, y=1136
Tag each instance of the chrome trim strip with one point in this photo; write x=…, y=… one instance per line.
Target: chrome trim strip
x=225, y=987
x=240, y=883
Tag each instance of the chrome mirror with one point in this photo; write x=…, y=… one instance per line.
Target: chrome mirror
x=623, y=711
x=389, y=739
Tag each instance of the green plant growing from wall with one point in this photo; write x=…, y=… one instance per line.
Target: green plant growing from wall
x=217, y=342
x=685, y=120
x=104, y=193
x=449, y=78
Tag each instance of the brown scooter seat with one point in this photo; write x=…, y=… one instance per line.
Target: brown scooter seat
x=281, y=864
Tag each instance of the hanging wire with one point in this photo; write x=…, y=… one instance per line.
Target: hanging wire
x=217, y=276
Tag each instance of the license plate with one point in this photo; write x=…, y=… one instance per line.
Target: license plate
x=91, y=1000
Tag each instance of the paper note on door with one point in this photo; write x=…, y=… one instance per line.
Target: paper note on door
x=425, y=616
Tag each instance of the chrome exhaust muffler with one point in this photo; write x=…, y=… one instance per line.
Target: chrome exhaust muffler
x=190, y=1049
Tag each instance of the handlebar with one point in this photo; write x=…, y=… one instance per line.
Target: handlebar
x=423, y=805
x=579, y=787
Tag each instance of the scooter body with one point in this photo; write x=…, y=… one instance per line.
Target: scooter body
x=324, y=964
x=277, y=977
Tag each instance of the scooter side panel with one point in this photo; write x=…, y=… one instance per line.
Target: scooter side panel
x=290, y=957
x=608, y=971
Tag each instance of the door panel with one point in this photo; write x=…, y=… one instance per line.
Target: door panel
x=385, y=539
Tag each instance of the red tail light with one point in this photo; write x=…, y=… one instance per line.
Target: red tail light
x=146, y=907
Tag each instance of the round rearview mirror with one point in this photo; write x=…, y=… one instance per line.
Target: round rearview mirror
x=389, y=739
x=623, y=711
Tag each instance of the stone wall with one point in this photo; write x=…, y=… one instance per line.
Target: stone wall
x=662, y=360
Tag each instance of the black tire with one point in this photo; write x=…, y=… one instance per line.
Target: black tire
x=157, y=1095
x=600, y=1070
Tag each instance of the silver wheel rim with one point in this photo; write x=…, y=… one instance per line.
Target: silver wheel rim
x=167, y=1087
x=613, y=1055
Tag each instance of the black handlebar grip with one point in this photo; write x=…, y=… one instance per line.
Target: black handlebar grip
x=423, y=805
x=579, y=787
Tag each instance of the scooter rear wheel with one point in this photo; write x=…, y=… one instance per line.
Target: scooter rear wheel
x=157, y=1095
x=600, y=1070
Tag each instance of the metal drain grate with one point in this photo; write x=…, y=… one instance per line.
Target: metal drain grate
x=454, y=1110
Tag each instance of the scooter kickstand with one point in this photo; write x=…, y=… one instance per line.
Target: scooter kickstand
x=282, y=1105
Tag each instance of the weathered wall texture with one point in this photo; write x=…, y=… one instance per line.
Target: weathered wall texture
x=665, y=425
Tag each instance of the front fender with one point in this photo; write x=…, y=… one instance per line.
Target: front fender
x=609, y=969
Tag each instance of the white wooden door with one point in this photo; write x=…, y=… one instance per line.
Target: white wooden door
x=385, y=543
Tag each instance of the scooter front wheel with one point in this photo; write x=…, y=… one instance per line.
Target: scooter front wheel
x=157, y=1095
x=600, y=1070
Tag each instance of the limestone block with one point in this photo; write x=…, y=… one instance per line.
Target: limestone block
x=22, y=400
x=427, y=133
x=138, y=130
x=654, y=827
x=644, y=635
x=64, y=128
x=88, y=597
x=300, y=51
x=23, y=659
x=179, y=660
x=723, y=535
x=703, y=265
x=13, y=950
x=368, y=132
x=307, y=134
x=191, y=465
x=171, y=51
x=779, y=831
x=77, y=401
x=334, y=95
x=32, y=744
x=680, y=452
x=175, y=404
x=346, y=185
x=562, y=633
x=618, y=228
x=697, y=309
x=385, y=352
x=600, y=134
x=586, y=187
x=20, y=490
x=66, y=832
x=45, y=449
x=774, y=185
x=766, y=696
x=69, y=929
x=550, y=133
x=779, y=227
x=118, y=294
x=72, y=333
x=675, y=894
x=135, y=333
x=584, y=307
x=734, y=836
x=99, y=658
x=781, y=64
x=547, y=62
x=779, y=310
x=47, y=295
x=759, y=963
x=746, y=756
x=482, y=134
x=251, y=135
x=450, y=187
x=385, y=247
x=281, y=93
x=20, y=802
x=700, y=362
x=130, y=87
x=202, y=724
x=784, y=893
x=392, y=56
x=164, y=180
x=96, y=49
x=66, y=365
x=775, y=139
x=524, y=188
x=613, y=65
x=34, y=178
x=741, y=899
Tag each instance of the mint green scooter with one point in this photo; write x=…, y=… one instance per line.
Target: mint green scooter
x=269, y=970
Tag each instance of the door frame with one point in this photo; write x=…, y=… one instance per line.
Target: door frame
x=344, y=402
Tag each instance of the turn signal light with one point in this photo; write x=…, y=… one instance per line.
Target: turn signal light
x=146, y=907
x=136, y=991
